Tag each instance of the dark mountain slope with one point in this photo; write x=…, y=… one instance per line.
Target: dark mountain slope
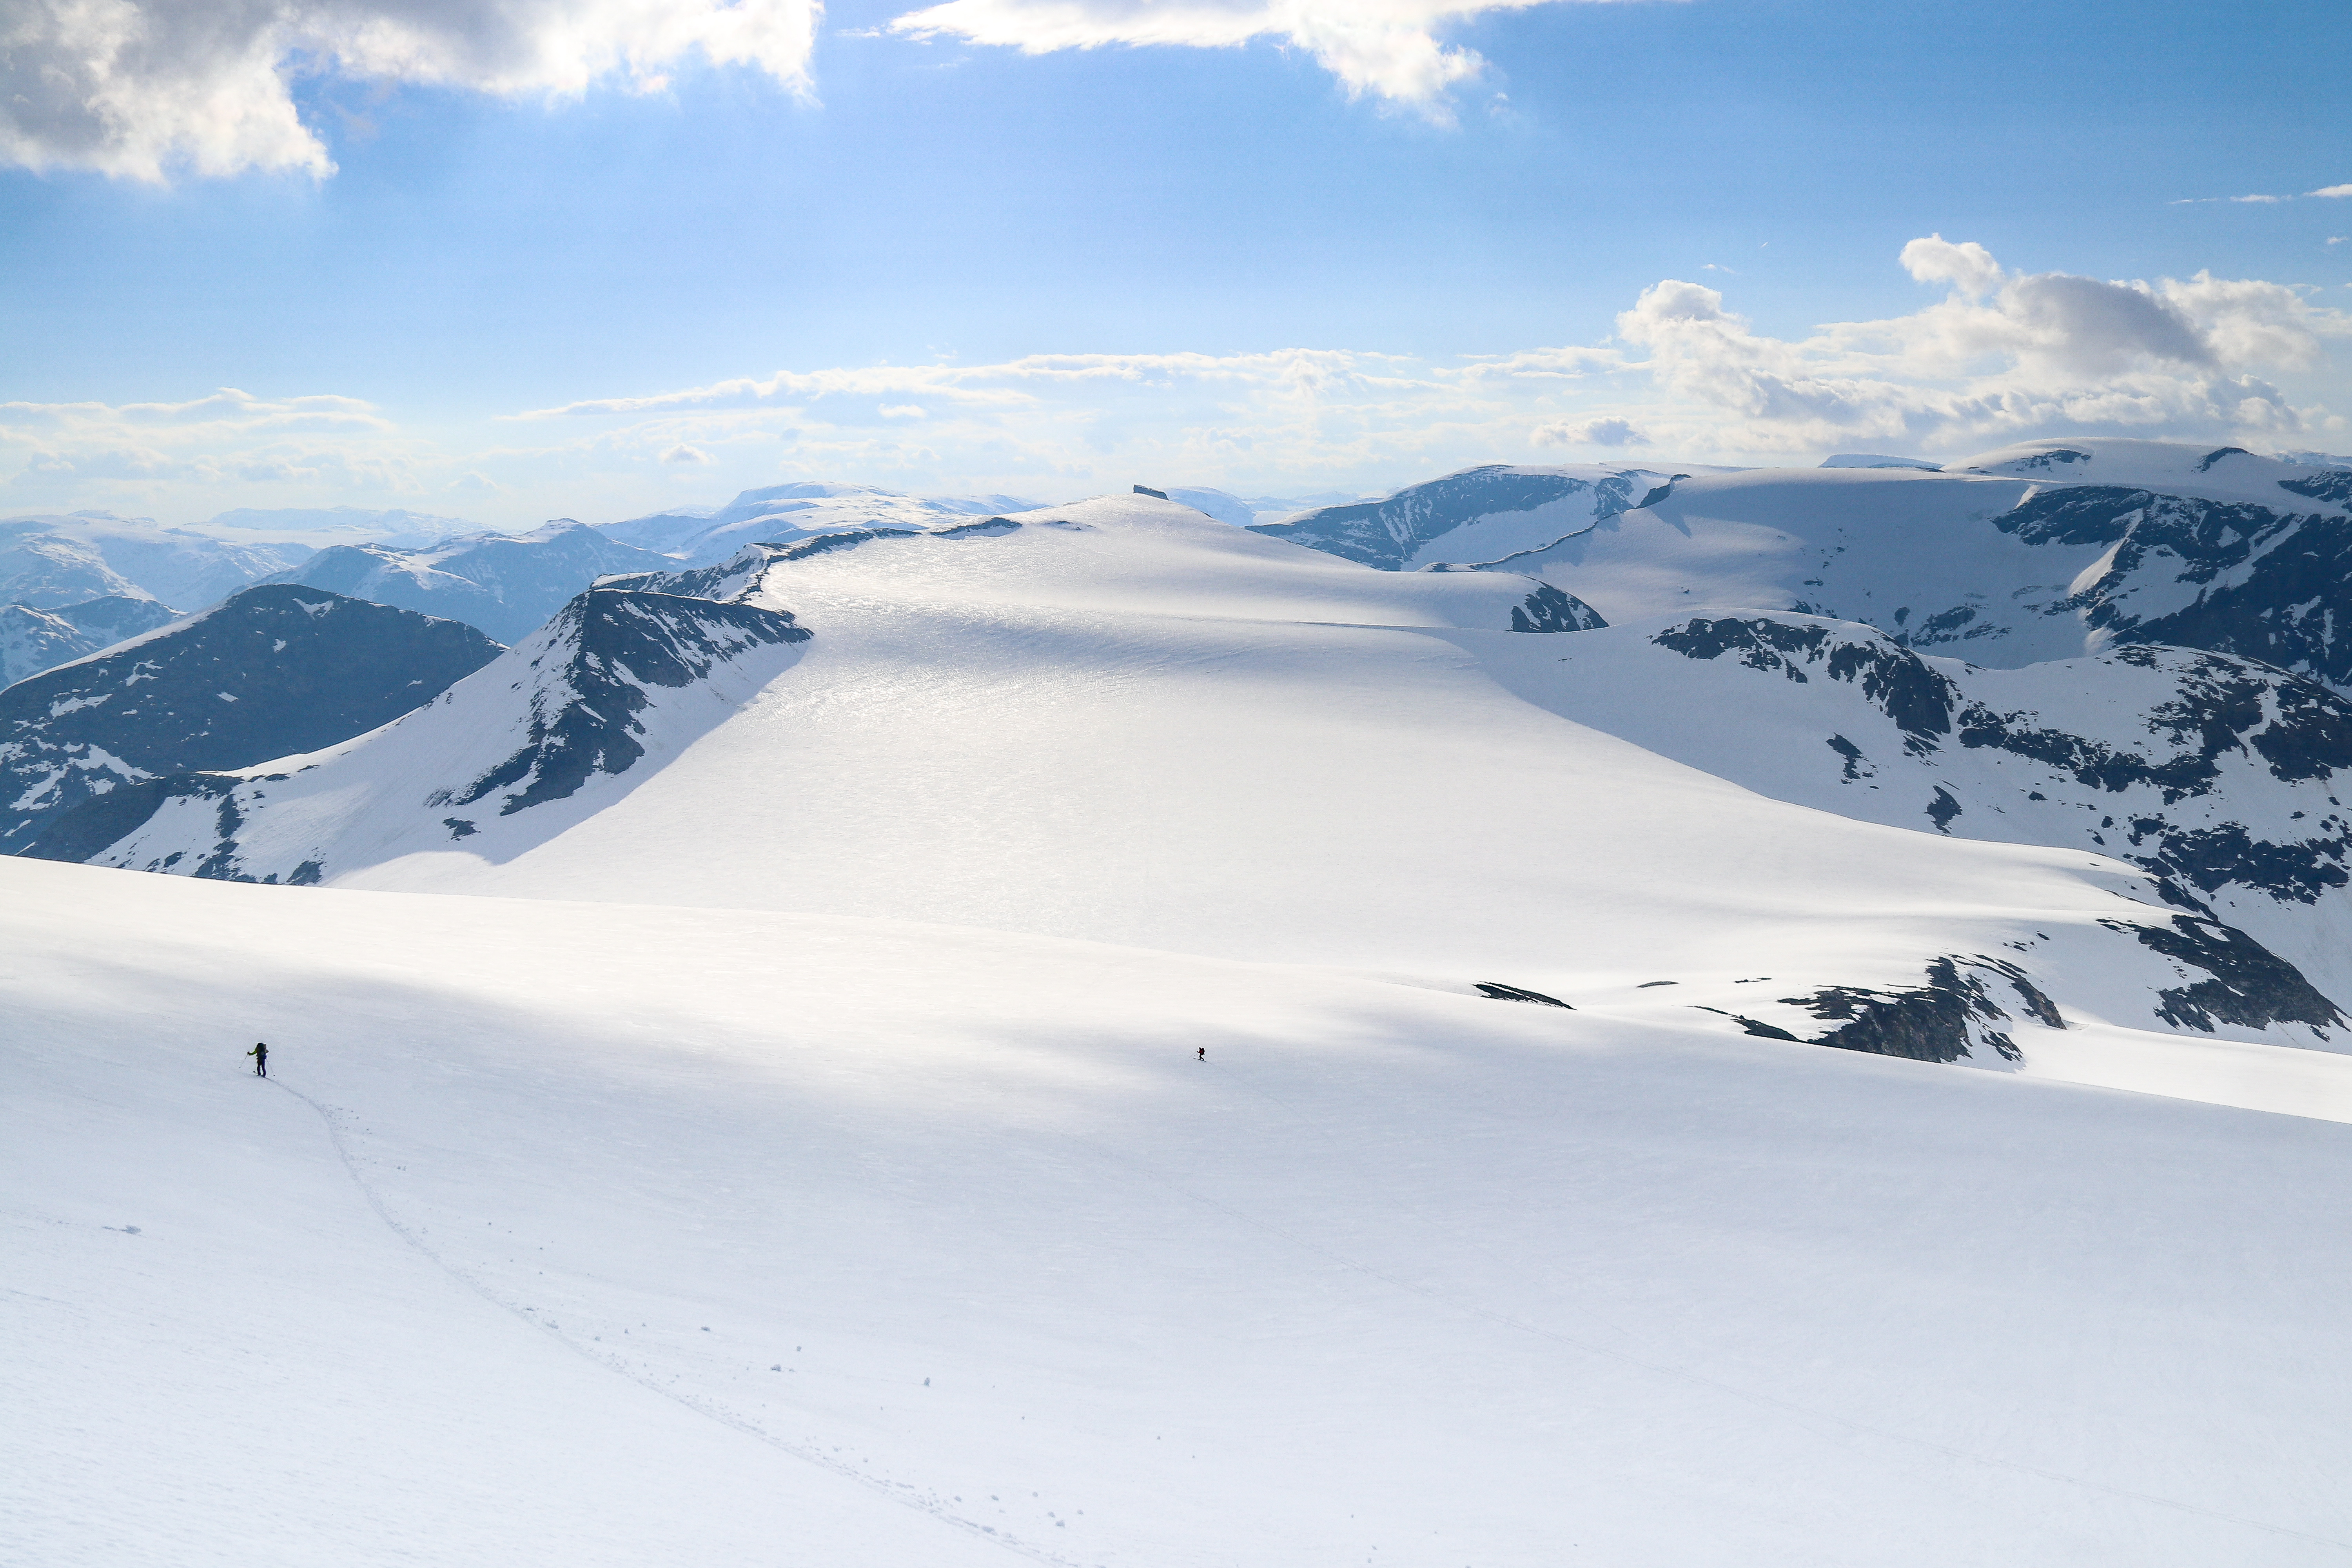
x=270, y=671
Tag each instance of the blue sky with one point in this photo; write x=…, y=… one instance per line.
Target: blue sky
x=1268, y=267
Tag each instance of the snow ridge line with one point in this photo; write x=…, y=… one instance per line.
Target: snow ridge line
x=1696, y=1379
x=725, y=1418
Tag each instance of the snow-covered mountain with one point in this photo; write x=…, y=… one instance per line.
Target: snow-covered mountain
x=507, y=584
x=1246, y=512
x=2044, y=551
x=1473, y=515
x=776, y=513
x=1103, y=602
x=2222, y=777
x=320, y=526
x=52, y=560
x=33, y=640
x=269, y=670
x=574, y=707
x=1099, y=1037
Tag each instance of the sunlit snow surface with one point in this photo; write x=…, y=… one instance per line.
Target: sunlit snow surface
x=797, y=1151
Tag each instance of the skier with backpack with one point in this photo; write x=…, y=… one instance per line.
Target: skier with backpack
x=260, y=1055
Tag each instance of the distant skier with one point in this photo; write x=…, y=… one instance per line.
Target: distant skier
x=1205, y=1053
x=260, y=1055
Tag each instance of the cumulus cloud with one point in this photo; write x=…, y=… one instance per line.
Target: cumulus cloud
x=1968, y=267
x=2002, y=355
x=1389, y=49
x=138, y=88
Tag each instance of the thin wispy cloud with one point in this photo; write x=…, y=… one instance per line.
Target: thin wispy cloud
x=2325, y=193
x=143, y=88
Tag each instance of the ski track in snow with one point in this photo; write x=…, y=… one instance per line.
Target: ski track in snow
x=813, y=1455
x=725, y=1418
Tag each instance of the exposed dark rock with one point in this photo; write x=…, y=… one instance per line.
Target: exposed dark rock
x=2334, y=486
x=1929, y=1023
x=2268, y=584
x=1761, y=1030
x=108, y=620
x=1896, y=680
x=271, y=671
x=2249, y=985
x=1501, y=992
x=1942, y=809
x=613, y=643
x=1548, y=610
x=82, y=829
x=2227, y=706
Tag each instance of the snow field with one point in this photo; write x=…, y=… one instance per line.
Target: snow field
x=1397, y=1275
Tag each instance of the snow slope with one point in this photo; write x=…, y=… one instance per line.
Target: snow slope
x=601, y=1234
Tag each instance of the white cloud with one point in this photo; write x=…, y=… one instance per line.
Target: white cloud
x=1387, y=48
x=2002, y=355
x=1591, y=433
x=1967, y=266
x=138, y=88
x=1994, y=356
x=2265, y=200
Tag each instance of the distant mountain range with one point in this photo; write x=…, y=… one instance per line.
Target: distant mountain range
x=323, y=525
x=270, y=671
x=52, y=560
x=777, y=513
x=1475, y=514
x=33, y=640
x=2044, y=551
x=507, y=584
